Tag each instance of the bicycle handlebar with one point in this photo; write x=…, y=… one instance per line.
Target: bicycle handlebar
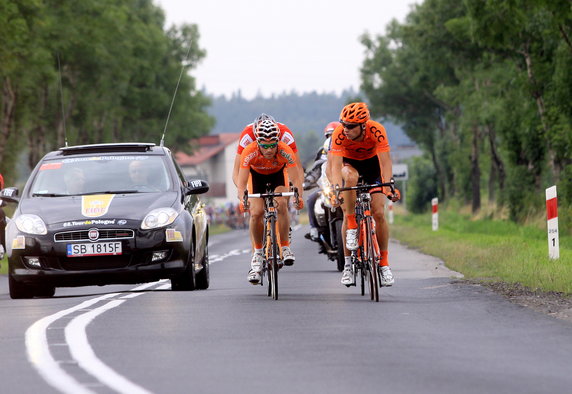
x=263, y=195
x=245, y=204
x=367, y=187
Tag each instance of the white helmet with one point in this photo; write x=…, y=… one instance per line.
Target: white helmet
x=266, y=128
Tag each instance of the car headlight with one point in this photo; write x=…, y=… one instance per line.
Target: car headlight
x=159, y=217
x=31, y=224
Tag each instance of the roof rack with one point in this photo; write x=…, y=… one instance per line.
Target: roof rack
x=105, y=148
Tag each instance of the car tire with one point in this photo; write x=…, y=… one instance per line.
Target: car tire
x=202, y=278
x=185, y=281
x=340, y=257
x=19, y=290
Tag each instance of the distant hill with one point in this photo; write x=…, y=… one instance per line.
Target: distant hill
x=302, y=113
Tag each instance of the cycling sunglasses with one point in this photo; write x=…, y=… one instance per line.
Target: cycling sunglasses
x=268, y=146
x=350, y=125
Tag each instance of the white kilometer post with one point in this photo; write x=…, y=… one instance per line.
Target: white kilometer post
x=390, y=212
x=435, y=215
x=552, y=223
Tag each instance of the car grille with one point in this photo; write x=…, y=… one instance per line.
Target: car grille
x=104, y=234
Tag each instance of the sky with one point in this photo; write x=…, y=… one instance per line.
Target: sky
x=273, y=46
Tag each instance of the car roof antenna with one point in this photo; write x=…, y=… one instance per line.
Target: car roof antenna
x=175, y=94
x=62, y=101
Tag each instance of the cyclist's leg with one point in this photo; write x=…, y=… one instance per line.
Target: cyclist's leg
x=382, y=233
x=350, y=177
x=284, y=227
x=256, y=227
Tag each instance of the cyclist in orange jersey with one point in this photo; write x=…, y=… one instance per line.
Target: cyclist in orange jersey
x=247, y=137
x=359, y=147
x=268, y=161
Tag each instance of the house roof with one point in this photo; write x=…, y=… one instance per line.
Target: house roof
x=206, y=147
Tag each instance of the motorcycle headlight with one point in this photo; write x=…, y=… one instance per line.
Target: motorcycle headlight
x=31, y=224
x=159, y=217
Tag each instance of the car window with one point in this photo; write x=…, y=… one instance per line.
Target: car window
x=101, y=174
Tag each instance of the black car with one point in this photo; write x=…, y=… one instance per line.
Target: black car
x=106, y=214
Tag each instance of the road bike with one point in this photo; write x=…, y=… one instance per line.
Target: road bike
x=365, y=260
x=271, y=251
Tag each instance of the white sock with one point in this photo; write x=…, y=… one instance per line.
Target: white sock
x=259, y=251
x=348, y=261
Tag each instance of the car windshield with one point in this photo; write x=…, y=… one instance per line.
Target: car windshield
x=101, y=174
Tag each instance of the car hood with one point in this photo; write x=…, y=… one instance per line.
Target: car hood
x=126, y=207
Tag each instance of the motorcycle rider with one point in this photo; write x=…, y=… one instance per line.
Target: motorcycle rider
x=312, y=176
x=2, y=223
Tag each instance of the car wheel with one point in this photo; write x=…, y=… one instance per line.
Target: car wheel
x=46, y=291
x=185, y=281
x=19, y=290
x=203, y=276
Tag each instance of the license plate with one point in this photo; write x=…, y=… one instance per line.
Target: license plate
x=94, y=249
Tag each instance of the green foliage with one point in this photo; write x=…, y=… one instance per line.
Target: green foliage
x=118, y=69
x=422, y=186
x=485, y=89
x=490, y=250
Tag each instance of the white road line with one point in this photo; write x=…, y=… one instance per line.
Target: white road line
x=39, y=353
x=83, y=353
x=38, y=348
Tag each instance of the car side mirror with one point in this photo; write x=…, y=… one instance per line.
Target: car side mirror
x=9, y=194
x=197, y=186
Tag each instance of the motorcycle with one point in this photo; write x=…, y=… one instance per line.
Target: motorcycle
x=328, y=219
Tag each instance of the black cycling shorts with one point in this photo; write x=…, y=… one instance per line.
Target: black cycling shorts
x=263, y=182
x=368, y=169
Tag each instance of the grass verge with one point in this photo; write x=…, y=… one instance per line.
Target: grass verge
x=490, y=250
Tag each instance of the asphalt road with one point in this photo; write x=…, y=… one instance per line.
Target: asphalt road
x=431, y=333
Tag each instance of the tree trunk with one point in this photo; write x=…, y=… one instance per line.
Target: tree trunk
x=537, y=94
x=497, y=165
x=37, y=136
x=442, y=186
x=475, y=172
x=8, y=109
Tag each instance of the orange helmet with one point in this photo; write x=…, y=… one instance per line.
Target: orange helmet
x=355, y=113
x=330, y=128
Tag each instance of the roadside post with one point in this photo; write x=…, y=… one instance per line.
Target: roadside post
x=435, y=214
x=552, y=223
x=390, y=212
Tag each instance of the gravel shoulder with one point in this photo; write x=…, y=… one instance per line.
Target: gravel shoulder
x=553, y=304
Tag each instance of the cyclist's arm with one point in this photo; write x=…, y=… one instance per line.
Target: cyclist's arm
x=334, y=169
x=294, y=176
x=235, y=169
x=385, y=166
x=299, y=166
x=241, y=182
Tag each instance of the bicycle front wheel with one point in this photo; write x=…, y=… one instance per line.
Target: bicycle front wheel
x=372, y=261
x=275, y=256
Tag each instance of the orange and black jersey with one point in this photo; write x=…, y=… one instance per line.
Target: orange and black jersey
x=374, y=141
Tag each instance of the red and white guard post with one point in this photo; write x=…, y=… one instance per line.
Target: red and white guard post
x=552, y=223
x=435, y=215
x=390, y=212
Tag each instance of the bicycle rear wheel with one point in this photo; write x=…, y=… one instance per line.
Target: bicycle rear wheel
x=275, y=256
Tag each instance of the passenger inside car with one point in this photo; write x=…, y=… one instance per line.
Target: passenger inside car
x=143, y=177
x=74, y=180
